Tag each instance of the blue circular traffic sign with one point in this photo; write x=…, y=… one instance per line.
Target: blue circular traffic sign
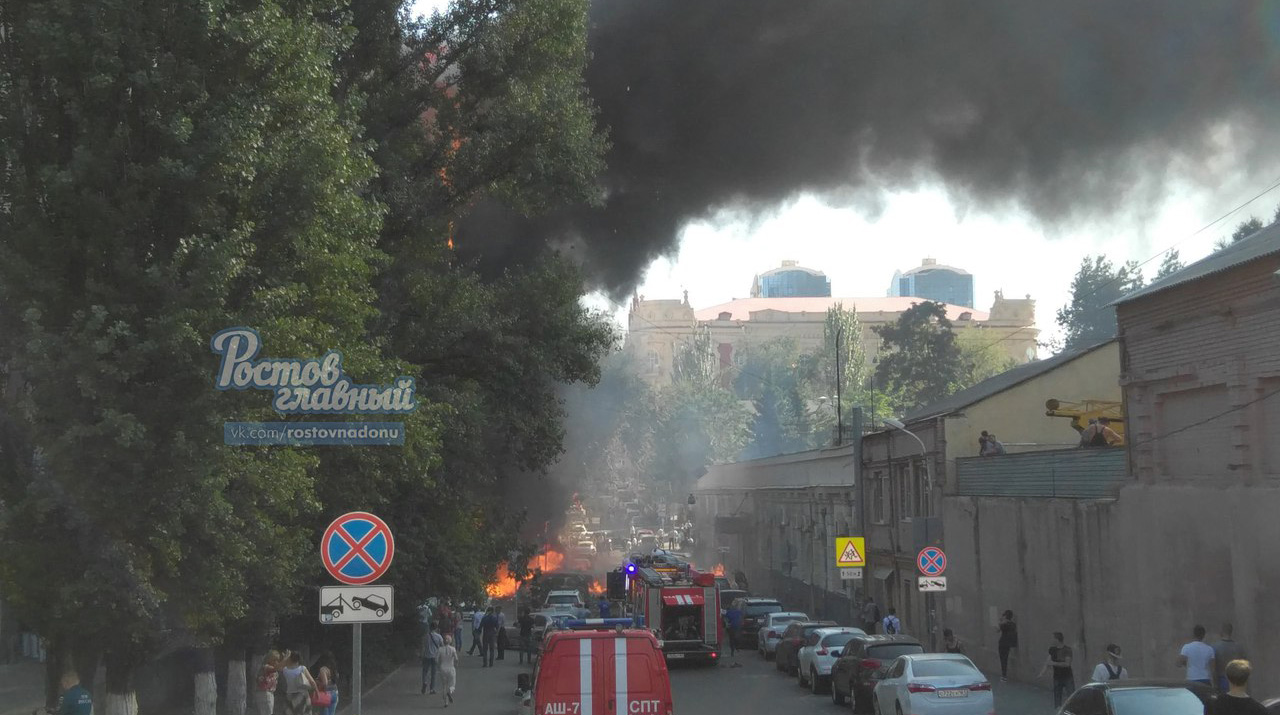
x=357, y=548
x=931, y=561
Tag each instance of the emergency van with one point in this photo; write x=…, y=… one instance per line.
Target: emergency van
x=600, y=667
x=680, y=606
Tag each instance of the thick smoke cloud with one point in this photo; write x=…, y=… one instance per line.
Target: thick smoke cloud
x=1065, y=109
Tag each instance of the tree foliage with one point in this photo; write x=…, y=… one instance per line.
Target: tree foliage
x=920, y=361
x=1170, y=264
x=1089, y=317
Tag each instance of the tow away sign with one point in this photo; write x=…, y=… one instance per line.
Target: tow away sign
x=932, y=583
x=356, y=604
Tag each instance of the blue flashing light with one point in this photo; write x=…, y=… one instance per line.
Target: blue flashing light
x=631, y=568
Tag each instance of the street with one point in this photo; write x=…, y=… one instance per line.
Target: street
x=753, y=689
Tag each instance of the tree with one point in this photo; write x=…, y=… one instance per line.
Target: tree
x=982, y=358
x=1089, y=318
x=771, y=377
x=840, y=368
x=1170, y=264
x=194, y=173
x=1245, y=229
x=920, y=361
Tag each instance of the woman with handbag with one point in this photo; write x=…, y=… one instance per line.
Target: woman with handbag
x=298, y=687
x=265, y=696
x=325, y=698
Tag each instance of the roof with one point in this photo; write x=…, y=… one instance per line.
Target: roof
x=742, y=308
x=1260, y=245
x=784, y=269
x=999, y=383
x=773, y=472
x=934, y=267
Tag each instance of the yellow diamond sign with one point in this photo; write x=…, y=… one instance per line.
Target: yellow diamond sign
x=851, y=552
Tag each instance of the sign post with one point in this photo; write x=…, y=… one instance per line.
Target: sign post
x=932, y=563
x=851, y=552
x=356, y=550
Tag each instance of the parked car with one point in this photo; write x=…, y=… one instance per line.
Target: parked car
x=377, y=604
x=754, y=610
x=784, y=654
x=937, y=684
x=820, y=650
x=771, y=631
x=727, y=597
x=1138, y=697
x=863, y=662
x=564, y=601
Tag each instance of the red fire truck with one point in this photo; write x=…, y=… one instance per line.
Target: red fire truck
x=680, y=606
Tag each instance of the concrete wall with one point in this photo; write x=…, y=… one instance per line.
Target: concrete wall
x=1139, y=571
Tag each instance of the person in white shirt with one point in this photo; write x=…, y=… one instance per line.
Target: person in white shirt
x=448, y=657
x=1197, y=658
x=1110, y=667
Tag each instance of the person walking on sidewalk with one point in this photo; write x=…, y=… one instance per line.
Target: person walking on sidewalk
x=298, y=686
x=1197, y=657
x=502, y=632
x=870, y=615
x=264, y=696
x=525, y=623
x=488, y=637
x=326, y=672
x=74, y=700
x=431, y=645
x=734, y=617
x=1064, y=681
x=448, y=657
x=1225, y=650
x=1236, y=701
x=891, y=623
x=1110, y=667
x=1008, y=628
x=476, y=617
x=951, y=644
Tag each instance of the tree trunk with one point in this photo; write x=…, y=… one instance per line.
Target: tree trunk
x=122, y=699
x=206, y=700
x=237, y=685
x=56, y=657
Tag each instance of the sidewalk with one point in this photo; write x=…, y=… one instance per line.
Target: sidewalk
x=21, y=688
x=1022, y=699
x=481, y=691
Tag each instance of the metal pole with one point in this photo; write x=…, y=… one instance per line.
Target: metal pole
x=839, y=380
x=357, y=684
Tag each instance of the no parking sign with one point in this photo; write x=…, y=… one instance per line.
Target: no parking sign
x=357, y=548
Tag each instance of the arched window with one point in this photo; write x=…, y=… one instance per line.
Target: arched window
x=653, y=360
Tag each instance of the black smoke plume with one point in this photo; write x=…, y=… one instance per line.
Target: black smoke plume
x=1069, y=109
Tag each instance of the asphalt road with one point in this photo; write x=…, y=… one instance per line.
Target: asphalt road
x=755, y=688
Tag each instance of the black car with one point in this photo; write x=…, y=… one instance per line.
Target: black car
x=863, y=662
x=753, y=613
x=1125, y=697
x=785, y=657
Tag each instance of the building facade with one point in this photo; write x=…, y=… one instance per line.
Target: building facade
x=791, y=281
x=944, y=284
x=657, y=328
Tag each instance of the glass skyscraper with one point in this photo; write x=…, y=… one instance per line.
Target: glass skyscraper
x=791, y=281
x=931, y=281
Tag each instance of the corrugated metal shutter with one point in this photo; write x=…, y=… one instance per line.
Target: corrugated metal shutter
x=1071, y=474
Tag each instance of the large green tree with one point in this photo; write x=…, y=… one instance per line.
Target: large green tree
x=1170, y=264
x=920, y=360
x=1089, y=317
x=173, y=172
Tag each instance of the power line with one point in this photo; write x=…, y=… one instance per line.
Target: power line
x=1200, y=423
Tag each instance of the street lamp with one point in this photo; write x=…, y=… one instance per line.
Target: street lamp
x=924, y=451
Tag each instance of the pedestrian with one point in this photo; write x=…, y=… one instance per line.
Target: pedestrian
x=448, y=657
x=1237, y=700
x=604, y=607
x=994, y=446
x=1064, y=682
x=1099, y=434
x=1008, y=628
x=476, y=644
x=1110, y=667
x=264, y=696
x=298, y=686
x=455, y=626
x=1197, y=657
x=951, y=644
x=74, y=699
x=734, y=618
x=503, y=640
x=1225, y=651
x=982, y=443
x=326, y=673
x=870, y=615
x=432, y=642
x=525, y=624
x=890, y=623
x=488, y=637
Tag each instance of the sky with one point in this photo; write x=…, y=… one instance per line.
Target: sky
x=860, y=248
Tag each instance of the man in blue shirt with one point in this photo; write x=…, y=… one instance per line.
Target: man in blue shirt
x=604, y=607
x=75, y=699
x=734, y=617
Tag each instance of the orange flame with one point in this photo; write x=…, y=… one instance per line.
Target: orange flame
x=597, y=588
x=503, y=584
x=718, y=570
x=550, y=561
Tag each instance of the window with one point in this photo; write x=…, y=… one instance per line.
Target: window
x=919, y=490
x=877, y=498
x=900, y=491
x=653, y=360
x=1089, y=701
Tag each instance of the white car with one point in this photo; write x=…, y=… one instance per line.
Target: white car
x=933, y=684
x=564, y=602
x=585, y=546
x=819, y=653
x=771, y=628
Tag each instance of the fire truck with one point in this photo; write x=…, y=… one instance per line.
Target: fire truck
x=679, y=605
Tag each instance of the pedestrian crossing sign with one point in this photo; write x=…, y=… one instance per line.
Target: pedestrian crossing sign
x=851, y=552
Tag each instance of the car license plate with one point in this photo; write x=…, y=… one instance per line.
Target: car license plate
x=953, y=693
x=674, y=656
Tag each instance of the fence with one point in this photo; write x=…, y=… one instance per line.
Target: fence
x=1064, y=473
